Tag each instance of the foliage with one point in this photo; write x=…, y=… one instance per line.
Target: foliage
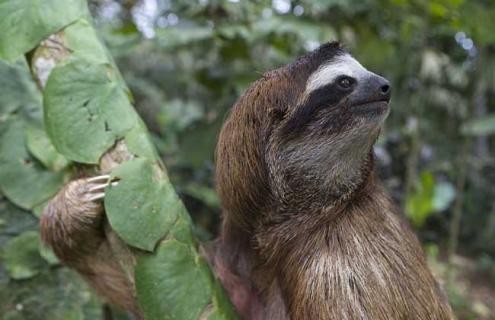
x=139, y=187
x=81, y=102
x=30, y=21
x=428, y=197
x=187, y=61
x=47, y=290
x=87, y=109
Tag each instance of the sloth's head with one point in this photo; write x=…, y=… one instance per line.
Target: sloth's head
x=301, y=136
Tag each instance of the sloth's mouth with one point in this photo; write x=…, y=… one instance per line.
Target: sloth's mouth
x=375, y=107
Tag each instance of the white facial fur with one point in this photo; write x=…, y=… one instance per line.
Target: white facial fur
x=343, y=65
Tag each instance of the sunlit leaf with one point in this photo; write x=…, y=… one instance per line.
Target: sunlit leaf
x=419, y=204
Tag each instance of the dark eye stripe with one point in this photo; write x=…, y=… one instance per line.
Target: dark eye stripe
x=322, y=97
x=345, y=82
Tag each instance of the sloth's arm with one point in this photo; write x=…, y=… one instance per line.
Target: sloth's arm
x=73, y=225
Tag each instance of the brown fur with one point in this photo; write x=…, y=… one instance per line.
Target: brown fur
x=308, y=232
x=75, y=229
x=318, y=240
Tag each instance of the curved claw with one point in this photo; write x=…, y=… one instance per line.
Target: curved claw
x=101, y=186
x=95, y=187
x=98, y=178
x=97, y=196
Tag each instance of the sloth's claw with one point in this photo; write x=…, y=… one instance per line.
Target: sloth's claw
x=95, y=187
x=102, y=186
x=97, y=196
x=99, y=178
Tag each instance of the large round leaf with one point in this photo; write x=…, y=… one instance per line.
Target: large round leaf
x=87, y=109
x=22, y=179
x=181, y=278
x=143, y=206
x=24, y=23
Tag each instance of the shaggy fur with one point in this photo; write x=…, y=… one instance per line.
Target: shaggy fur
x=308, y=229
x=75, y=229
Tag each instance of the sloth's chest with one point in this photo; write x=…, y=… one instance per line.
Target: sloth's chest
x=377, y=274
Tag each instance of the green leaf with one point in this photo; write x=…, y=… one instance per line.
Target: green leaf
x=480, y=126
x=83, y=42
x=47, y=254
x=30, y=21
x=87, y=109
x=419, y=204
x=22, y=259
x=16, y=88
x=143, y=206
x=438, y=10
x=22, y=179
x=37, y=210
x=427, y=198
x=180, y=276
x=139, y=142
x=175, y=282
x=40, y=146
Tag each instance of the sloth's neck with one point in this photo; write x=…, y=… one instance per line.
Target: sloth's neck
x=306, y=185
x=352, y=261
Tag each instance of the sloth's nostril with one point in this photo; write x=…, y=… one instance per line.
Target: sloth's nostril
x=385, y=89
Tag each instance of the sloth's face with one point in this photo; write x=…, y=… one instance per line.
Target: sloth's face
x=340, y=95
x=327, y=134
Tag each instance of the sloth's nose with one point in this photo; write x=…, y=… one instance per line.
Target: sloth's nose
x=383, y=88
x=378, y=88
x=374, y=88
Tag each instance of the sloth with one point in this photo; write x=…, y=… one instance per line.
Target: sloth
x=308, y=230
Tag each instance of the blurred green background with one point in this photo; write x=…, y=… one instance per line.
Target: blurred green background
x=187, y=62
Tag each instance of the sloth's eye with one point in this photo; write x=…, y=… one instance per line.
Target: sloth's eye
x=345, y=82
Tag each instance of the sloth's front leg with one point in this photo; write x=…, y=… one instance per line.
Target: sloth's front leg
x=72, y=221
x=73, y=225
